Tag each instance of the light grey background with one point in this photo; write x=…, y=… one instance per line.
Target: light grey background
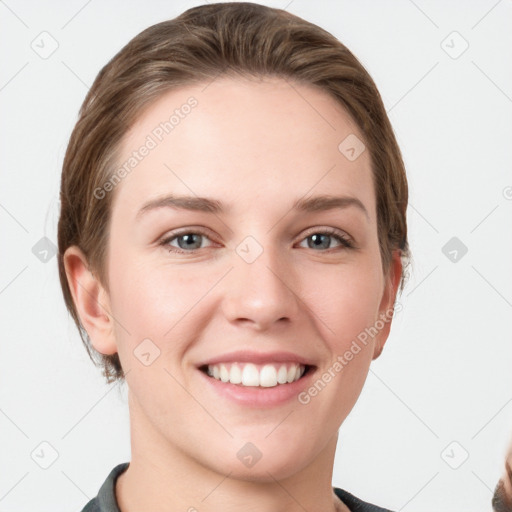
x=441, y=391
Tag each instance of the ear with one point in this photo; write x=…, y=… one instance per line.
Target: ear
x=386, y=306
x=91, y=301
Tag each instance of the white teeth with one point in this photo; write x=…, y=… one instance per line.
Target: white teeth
x=224, y=374
x=248, y=374
x=268, y=376
x=282, y=375
x=235, y=377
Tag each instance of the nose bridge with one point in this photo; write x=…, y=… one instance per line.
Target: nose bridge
x=260, y=287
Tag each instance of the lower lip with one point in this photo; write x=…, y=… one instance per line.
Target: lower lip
x=259, y=397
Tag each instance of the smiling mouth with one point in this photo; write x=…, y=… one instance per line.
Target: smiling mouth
x=257, y=375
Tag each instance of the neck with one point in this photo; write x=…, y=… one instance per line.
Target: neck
x=163, y=477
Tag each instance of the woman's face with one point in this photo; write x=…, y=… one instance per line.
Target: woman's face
x=239, y=275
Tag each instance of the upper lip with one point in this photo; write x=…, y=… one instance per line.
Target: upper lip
x=247, y=356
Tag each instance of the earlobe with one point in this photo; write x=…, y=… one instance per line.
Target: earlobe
x=91, y=301
x=386, y=307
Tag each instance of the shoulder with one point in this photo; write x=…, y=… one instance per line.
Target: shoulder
x=355, y=504
x=92, y=506
x=106, y=501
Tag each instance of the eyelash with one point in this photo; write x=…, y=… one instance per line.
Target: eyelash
x=345, y=242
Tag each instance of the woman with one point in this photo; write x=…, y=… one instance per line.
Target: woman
x=232, y=239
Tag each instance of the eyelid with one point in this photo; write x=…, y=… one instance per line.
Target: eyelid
x=165, y=239
x=327, y=230
x=345, y=240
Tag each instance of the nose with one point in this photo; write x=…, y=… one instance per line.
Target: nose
x=262, y=293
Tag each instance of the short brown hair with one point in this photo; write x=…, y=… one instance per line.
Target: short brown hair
x=204, y=42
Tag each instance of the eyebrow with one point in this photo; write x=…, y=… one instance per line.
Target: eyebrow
x=209, y=205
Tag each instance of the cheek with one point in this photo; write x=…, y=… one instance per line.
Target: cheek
x=344, y=299
x=153, y=301
x=344, y=303
x=142, y=299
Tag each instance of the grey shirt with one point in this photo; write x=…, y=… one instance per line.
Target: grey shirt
x=106, y=501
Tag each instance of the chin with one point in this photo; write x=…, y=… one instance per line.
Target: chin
x=249, y=463
x=266, y=472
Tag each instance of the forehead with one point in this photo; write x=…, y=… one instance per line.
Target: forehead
x=243, y=140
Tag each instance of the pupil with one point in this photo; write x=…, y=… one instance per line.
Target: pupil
x=316, y=239
x=189, y=238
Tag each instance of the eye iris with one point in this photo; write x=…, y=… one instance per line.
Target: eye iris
x=193, y=240
x=190, y=238
x=323, y=244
